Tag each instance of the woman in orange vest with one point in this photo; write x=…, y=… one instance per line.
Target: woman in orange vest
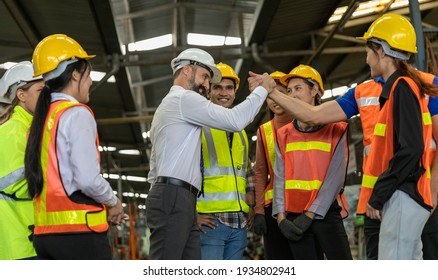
x=72, y=202
x=398, y=164
x=275, y=244
x=310, y=170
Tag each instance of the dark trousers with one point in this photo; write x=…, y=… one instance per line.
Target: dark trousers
x=429, y=237
x=327, y=235
x=275, y=244
x=371, y=232
x=80, y=246
x=171, y=218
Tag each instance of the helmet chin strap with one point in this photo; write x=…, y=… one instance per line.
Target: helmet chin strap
x=59, y=70
x=389, y=51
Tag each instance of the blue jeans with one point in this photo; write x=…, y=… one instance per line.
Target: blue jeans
x=223, y=242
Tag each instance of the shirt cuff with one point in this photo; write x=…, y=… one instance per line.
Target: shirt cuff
x=112, y=202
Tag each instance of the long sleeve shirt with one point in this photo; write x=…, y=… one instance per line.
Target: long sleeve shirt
x=261, y=168
x=77, y=154
x=408, y=144
x=334, y=180
x=176, y=130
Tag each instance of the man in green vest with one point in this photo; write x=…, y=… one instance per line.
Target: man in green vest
x=228, y=193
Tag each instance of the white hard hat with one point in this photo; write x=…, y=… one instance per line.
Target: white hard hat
x=15, y=77
x=197, y=57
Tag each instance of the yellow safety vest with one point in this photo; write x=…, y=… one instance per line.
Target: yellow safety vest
x=268, y=139
x=15, y=205
x=224, y=172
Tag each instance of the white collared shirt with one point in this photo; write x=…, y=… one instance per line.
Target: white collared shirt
x=176, y=130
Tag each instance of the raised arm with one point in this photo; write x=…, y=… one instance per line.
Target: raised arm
x=328, y=112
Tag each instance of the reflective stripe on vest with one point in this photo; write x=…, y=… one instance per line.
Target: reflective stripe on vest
x=306, y=146
x=11, y=178
x=224, y=175
x=381, y=151
x=307, y=157
x=367, y=98
x=54, y=211
x=367, y=101
x=268, y=140
x=303, y=185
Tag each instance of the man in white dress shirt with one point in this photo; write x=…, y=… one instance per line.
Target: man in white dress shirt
x=175, y=173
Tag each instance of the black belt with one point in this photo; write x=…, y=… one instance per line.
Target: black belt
x=179, y=183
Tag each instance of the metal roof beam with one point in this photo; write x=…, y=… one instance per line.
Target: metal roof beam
x=105, y=22
x=353, y=23
x=153, y=81
x=336, y=64
x=339, y=25
x=263, y=16
x=168, y=7
x=371, y=18
x=420, y=56
x=247, y=55
x=23, y=22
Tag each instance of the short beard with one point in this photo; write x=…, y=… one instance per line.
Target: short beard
x=198, y=88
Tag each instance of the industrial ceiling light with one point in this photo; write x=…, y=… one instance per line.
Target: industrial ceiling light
x=369, y=7
x=130, y=152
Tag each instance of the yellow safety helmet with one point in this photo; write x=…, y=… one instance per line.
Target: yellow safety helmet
x=53, y=50
x=394, y=29
x=305, y=72
x=228, y=72
x=277, y=75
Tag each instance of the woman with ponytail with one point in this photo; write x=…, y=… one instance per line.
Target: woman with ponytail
x=72, y=201
x=398, y=164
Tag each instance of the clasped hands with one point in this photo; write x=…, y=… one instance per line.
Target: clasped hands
x=294, y=230
x=264, y=80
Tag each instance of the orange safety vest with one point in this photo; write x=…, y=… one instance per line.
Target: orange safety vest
x=383, y=145
x=267, y=130
x=307, y=157
x=54, y=211
x=367, y=97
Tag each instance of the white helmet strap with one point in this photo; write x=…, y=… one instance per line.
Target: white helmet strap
x=58, y=70
x=180, y=63
x=12, y=91
x=389, y=51
x=197, y=63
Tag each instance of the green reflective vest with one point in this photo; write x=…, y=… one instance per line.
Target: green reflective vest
x=224, y=172
x=15, y=206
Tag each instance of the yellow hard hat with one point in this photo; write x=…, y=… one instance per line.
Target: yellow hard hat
x=305, y=72
x=396, y=30
x=277, y=75
x=228, y=72
x=53, y=50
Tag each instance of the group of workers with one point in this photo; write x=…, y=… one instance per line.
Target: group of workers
x=301, y=158
x=55, y=203
x=205, y=192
